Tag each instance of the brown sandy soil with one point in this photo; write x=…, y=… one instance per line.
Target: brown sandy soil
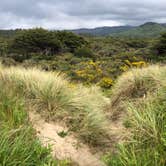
x=67, y=147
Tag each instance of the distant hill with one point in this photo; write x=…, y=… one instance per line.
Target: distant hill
x=102, y=31
x=149, y=29
x=9, y=33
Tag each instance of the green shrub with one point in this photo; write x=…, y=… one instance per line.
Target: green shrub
x=70, y=41
x=106, y=82
x=84, y=52
x=160, y=46
x=36, y=40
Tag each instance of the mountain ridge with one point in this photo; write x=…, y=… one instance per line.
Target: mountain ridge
x=148, y=29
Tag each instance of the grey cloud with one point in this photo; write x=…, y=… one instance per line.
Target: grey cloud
x=68, y=14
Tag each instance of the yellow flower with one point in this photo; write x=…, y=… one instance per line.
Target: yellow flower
x=139, y=64
x=79, y=72
x=124, y=68
x=129, y=65
x=92, y=63
x=106, y=82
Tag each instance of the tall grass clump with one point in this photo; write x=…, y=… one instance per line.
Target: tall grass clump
x=52, y=95
x=146, y=119
x=136, y=85
x=18, y=142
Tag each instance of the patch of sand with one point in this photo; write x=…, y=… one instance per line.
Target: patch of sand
x=63, y=148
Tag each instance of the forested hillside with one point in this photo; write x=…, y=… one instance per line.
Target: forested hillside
x=102, y=31
x=149, y=29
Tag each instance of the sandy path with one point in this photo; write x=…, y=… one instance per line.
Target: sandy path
x=65, y=147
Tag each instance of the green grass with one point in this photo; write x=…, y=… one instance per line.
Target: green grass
x=146, y=118
x=18, y=142
x=62, y=133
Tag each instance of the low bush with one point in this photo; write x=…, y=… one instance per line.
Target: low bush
x=84, y=52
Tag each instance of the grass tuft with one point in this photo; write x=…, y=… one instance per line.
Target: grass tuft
x=18, y=142
x=143, y=93
x=136, y=85
x=52, y=95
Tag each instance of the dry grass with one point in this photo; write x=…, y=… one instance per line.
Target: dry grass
x=136, y=85
x=53, y=96
x=139, y=99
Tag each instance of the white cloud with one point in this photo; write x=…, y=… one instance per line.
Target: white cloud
x=65, y=14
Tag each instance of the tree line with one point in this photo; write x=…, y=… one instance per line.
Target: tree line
x=42, y=41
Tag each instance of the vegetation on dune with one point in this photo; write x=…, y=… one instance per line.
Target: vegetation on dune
x=18, y=142
x=141, y=94
x=54, y=97
x=134, y=85
x=138, y=94
x=136, y=101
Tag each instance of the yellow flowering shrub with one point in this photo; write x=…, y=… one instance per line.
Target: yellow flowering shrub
x=129, y=65
x=139, y=64
x=89, y=71
x=106, y=82
x=93, y=72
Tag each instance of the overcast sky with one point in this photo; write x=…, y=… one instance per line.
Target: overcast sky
x=70, y=14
